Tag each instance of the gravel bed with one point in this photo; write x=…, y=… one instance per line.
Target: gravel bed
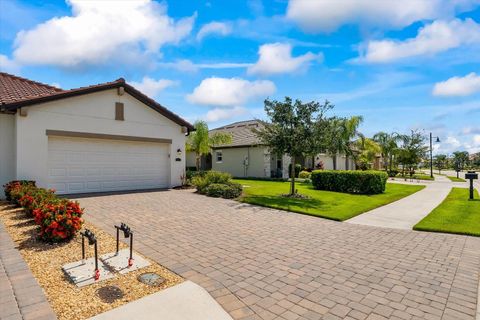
x=46, y=260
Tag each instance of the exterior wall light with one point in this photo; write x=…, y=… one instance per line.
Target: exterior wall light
x=179, y=155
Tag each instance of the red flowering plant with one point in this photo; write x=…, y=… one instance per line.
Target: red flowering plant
x=34, y=198
x=59, y=219
x=14, y=190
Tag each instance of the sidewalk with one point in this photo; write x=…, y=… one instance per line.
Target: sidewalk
x=406, y=212
x=21, y=297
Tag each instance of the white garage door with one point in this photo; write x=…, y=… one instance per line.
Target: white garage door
x=78, y=165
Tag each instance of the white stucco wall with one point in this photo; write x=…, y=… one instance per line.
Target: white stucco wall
x=7, y=150
x=92, y=113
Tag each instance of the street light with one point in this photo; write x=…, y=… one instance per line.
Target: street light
x=437, y=140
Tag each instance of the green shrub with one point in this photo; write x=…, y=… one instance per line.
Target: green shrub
x=304, y=175
x=210, y=177
x=392, y=173
x=362, y=182
x=221, y=190
x=298, y=168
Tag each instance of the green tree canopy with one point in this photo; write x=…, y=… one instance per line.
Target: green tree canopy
x=201, y=142
x=340, y=135
x=388, y=143
x=440, y=161
x=412, y=151
x=294, y=128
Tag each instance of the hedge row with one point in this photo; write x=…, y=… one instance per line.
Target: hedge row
x=362, y=182
x=59, y=219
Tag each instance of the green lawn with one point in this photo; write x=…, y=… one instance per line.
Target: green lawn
x=327, y=204
x=456, y=214
x=455, y=179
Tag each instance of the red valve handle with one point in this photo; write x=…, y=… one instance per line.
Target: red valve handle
x=97, y=274
x=130, y=262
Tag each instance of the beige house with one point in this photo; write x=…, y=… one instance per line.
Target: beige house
x=245, y=156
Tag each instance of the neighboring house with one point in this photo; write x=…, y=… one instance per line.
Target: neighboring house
x=105, y=137
x=246, y=156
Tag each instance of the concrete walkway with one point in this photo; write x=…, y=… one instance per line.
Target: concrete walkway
x=406, y=212
x=185, y=301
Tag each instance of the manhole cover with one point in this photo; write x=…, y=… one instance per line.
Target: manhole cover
x=150, y=278
x=109, y=294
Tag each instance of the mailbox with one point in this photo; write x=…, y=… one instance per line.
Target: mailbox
x=471, y=175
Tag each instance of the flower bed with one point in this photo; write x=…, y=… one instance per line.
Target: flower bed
x=58, y=219
x=45, y=260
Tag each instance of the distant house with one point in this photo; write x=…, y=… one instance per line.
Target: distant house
x=246, y=156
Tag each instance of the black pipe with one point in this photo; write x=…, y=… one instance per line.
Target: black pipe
x=83, y=247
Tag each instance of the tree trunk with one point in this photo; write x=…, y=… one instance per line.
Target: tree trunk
x=197, y=161
x=292, y=175
x=334, y=161
x=346, y=163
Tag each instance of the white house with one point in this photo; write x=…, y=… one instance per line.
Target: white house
x=105, y=137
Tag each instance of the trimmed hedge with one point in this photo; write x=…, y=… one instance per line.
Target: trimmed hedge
x=361, y=182
x=228, y=191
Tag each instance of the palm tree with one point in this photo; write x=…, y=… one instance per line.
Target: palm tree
x=368, y=150
x=350, y=132
x=342, y=132
x=389, y=145
x=201, y=142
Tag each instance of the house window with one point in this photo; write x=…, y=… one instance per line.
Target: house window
x=219, y=156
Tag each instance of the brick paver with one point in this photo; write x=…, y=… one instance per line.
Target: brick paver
x=261, y=263
x=21, y=297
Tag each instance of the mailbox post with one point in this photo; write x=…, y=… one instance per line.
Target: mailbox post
x=471, y=175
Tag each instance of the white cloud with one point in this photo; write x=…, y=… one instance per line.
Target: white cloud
x=230, y=92
x=277, y=58
x=152, y=87
x=458, y=86
x=56, y=85
x=471, y=130
x=218, y=114
x=219, y=28
x=189, y=66
x=327, y=15
x=436, y=37
x=100, y=30
x=8, y=65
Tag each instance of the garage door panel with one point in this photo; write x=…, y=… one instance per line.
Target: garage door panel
x=77, y=165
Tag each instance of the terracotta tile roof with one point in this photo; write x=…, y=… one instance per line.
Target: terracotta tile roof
x=17, y=92
x=242, y=133
x=14, y=88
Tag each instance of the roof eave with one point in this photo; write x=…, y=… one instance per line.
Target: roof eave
x=12, y=107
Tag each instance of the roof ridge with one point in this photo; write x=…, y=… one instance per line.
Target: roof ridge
x=31, y=81
x=235, y=124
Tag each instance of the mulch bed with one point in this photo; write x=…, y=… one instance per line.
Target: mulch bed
x=46, y=260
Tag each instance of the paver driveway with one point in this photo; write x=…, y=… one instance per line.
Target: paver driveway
x=263, y=263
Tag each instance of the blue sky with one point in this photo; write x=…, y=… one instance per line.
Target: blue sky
x=401, y=64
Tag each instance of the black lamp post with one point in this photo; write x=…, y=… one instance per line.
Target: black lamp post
x=437, y=140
